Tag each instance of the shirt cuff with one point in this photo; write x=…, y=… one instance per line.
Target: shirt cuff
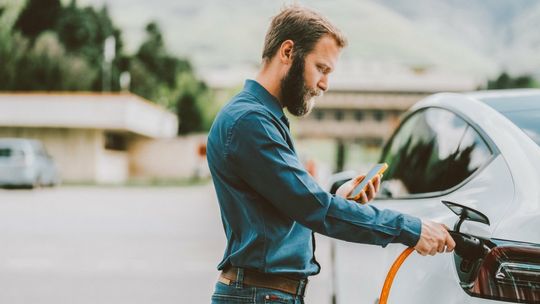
x=410, y=231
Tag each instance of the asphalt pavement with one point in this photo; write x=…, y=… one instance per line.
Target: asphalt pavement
x=118, y=245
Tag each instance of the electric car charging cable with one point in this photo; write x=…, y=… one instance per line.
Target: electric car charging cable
x=466, y=246
x=392, y=273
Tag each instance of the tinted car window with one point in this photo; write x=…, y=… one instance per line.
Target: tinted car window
x=432, y=151
x=473, y=153
x=5, y=152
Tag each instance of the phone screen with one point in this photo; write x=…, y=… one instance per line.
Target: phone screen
x=377, y=169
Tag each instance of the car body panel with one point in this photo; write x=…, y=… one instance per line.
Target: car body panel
x=506, y=190
x=493, y=180
x=521, y=154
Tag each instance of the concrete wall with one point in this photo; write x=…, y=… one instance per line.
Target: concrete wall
x=168, y=158
x=111, y=167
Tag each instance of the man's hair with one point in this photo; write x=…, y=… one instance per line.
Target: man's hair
x=301, y=25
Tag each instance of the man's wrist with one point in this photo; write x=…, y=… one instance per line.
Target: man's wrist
x=410, y=230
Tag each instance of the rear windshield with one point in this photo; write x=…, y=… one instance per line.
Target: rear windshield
x=523, y=111
x=5, y=152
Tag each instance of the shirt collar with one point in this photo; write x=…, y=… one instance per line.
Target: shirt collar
x=267, y=99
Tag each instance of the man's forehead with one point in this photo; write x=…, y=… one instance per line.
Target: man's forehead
x=326, y=51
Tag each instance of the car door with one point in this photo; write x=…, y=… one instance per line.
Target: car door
x=434, y=155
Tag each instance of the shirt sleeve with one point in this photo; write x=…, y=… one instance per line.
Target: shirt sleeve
x=260, y=155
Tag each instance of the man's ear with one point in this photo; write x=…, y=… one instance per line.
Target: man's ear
x=285, y=52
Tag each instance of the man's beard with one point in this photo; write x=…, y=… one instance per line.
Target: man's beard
x=295, y=95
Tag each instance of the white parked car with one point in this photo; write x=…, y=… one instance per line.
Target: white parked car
x=26, y=163
x=480, y=150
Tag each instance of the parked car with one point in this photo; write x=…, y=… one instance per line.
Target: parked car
x=26, y=163
x=480, y=150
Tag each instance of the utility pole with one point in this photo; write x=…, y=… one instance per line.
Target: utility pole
x=109, y=52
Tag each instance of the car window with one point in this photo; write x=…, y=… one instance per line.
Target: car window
x=473, y=153
x=10, y=152
x=433, y=150
x=5, y=152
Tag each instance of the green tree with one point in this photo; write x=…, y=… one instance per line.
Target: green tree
x=79, y=39
x=38, y=16
x=199, y=116
x=143, y=82
x=153, y=54
x=170, y=81
x=46, y=66
x=505, y=81
x=189, y=115
x=83, y=32
x=13, y=49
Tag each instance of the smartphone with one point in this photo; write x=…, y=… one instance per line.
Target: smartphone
x=376, y=170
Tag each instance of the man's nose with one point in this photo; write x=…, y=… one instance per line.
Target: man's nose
x=323, y=84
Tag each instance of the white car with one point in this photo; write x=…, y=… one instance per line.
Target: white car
x=480, y=150
x=26, y=163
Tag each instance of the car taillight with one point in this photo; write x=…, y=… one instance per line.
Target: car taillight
x=509, y=273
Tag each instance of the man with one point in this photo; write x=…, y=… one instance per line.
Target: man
x=270, y=206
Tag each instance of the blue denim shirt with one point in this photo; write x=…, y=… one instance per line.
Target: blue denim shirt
x=270, y=205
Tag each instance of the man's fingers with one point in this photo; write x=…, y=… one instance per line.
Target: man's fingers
x=434, y=239
x=370, y=191
x=371, y=188
x=377, y=182
x=363, y=198
x=450, y=243
x=440, y=248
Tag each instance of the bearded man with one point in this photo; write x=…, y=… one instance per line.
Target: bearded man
x=270, y=206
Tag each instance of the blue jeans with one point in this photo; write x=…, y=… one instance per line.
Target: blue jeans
x=237, y=292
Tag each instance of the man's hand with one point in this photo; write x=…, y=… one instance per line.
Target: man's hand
x=372, y=188
x=434, y=238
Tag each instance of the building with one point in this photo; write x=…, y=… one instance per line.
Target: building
x=91, y=136
x=364, y=116
x=368, y=109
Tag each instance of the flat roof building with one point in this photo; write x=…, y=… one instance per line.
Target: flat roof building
x=90, y=135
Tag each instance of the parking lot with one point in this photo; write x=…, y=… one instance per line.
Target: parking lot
x=117, y=245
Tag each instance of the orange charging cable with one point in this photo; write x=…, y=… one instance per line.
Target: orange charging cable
x=392, y=273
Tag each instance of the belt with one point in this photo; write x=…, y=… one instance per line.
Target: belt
x=265, y=280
